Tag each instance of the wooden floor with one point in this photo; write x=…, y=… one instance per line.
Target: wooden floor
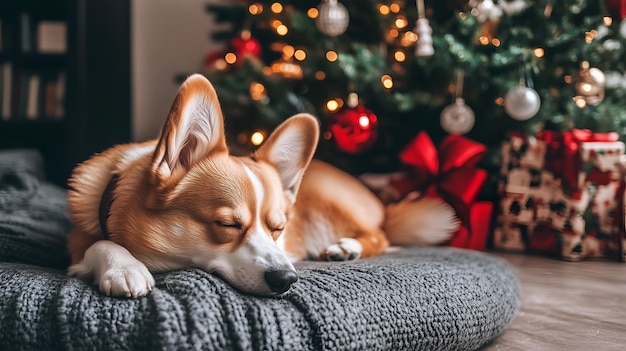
x=567, y=305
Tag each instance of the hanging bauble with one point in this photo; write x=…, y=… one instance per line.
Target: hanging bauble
x=457, y=118
x=354, y=129
x=424, y=46
x=488, y=10
x=245, y=45
x=589, y=85
x=522, y=102
x=333, y=18
x=485, y=10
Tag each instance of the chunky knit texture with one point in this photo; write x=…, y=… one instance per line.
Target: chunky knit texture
x=411, y=299
x=34, y=220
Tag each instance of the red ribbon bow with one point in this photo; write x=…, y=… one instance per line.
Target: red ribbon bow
x=448, y=172
x=563, y=152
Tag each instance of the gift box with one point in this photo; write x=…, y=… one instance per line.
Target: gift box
x=622, y=212
x=448, y=172
x=560, y=194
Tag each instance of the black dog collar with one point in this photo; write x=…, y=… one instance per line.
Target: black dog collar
x=105, y=205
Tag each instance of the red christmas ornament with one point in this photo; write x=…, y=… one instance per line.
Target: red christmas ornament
x=354, y=129
x=248, y=46
x=616, y=8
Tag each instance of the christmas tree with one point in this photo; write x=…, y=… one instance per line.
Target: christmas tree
x=377, y=72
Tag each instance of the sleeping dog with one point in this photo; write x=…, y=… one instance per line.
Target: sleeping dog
x=183, y=201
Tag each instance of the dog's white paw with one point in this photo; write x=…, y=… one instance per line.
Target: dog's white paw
x=133, y=280
x=116, y=271
x=346, y=249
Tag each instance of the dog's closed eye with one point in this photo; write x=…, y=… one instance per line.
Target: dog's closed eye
x=231, y=225
x=277, y=230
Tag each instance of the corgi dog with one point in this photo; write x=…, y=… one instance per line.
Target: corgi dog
x=183, y=201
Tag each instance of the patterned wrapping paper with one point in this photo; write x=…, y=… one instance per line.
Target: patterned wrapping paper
x=622, y=206
x=542, y=212
x=595, y=211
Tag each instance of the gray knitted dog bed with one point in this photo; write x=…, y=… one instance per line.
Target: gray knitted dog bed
x=411, y=299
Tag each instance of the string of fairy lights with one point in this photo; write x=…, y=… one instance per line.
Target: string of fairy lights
x=333, y=20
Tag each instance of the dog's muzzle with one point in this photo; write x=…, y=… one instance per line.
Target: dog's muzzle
x=280, y=280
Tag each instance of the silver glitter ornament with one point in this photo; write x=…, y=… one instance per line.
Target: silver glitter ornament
x=457, y=118
x=333, y=18
x=522, y=102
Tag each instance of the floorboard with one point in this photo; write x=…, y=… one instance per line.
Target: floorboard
x=567, y=305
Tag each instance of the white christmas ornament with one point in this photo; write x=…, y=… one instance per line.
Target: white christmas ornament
x=622, y=28
x=487, y=10
x=333, y=18
x=457, y=118
x=424, y=45
x=514, y=7
x=522, y=102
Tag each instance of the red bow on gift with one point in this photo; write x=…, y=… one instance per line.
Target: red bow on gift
x=562, y=153
x=448, y=172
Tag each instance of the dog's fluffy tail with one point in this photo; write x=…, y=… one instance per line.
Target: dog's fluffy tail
x=423, y=222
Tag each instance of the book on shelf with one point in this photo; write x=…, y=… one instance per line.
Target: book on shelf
x=52, y=37
x=23, y=98
x=23, y=33
x=16, y=93
x=7, y=78
x=31, y=94
x=60, y=96
x=50, y=99
x=26, y=32
x=32, y=101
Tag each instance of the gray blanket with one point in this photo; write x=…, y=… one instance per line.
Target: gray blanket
x=412, y=299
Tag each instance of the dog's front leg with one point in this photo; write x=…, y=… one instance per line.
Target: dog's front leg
x=116, y=271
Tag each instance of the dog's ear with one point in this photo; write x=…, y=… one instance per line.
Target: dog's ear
x=193, y=130
x=290, y=149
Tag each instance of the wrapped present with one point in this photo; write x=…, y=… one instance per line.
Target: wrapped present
x=526, y=206
x=596, y=203
x=622, y=212
x=449, y=172
x=560, y=193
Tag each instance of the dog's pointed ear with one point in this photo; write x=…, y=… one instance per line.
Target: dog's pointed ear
x=290, y=149
x=193, y=130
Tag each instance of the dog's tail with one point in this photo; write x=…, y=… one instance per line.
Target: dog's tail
x=422, y=222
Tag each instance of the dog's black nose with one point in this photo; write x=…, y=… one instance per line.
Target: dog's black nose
x=280, y=280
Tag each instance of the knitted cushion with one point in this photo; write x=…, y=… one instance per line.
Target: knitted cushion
x=34, y=221
x=412, y=299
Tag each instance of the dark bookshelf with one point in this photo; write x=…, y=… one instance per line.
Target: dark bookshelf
x=93, y=111
x=34, y=59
